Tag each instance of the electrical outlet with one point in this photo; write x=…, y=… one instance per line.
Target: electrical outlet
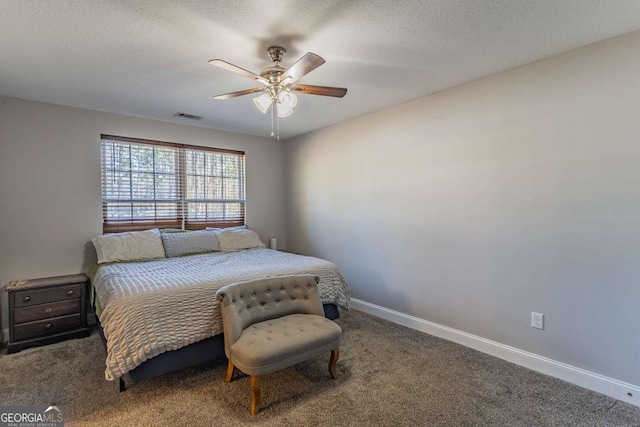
x=537, y=320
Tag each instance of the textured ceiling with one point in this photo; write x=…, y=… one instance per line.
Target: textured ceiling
x=149, y=58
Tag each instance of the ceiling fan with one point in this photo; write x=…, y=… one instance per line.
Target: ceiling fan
x=279, y=84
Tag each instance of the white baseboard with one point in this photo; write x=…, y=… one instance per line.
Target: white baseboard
x=590, y=380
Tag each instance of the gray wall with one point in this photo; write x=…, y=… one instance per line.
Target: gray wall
x=474, y=207
x=50, y=191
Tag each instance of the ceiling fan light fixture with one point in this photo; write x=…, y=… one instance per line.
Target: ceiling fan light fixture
x=263, y=102
x=287, y=102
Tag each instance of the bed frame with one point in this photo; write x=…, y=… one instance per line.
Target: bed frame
x=207, y=350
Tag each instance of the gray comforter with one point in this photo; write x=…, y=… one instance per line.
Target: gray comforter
x=156, y=306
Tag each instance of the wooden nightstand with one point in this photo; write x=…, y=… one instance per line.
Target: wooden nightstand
x=48, y=310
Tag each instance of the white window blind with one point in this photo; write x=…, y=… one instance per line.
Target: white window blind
x=148, y=184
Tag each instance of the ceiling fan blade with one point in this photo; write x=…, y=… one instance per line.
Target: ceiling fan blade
x=238, y=93
x=306, y=64
x=235, y=69
x=337, y=92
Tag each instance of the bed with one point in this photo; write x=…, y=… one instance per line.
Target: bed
x=161, y=315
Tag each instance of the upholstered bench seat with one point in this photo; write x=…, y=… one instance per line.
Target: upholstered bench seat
x=273, y=323
x=276, y=344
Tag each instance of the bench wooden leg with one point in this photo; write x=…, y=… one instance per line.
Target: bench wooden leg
x=335, y=354
x=255, y=394
x=229, y=372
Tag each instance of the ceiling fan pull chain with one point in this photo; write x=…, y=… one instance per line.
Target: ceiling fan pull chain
x=272, y=108
x=275, y=103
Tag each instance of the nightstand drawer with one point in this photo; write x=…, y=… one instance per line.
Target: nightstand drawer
x=26, y=298
x=46, y=327
x=44, y=311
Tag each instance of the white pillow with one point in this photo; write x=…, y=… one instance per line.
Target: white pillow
x=130, y=246
x=235, y=239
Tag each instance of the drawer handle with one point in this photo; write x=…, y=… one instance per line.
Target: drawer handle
x=69, y=293
x=49, y=325
x=47, y=310
x=26, y=299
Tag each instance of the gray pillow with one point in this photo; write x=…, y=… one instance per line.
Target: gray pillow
x=189, y=242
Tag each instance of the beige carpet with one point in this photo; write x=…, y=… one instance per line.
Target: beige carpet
x=389, y=376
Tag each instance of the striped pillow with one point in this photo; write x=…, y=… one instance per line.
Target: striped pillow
x=189, y=242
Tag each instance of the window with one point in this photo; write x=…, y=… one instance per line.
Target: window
x=147, y=184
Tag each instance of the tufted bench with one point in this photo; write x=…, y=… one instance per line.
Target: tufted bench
x=273, y=323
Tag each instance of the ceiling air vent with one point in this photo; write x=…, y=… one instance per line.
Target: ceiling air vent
x=187, y=116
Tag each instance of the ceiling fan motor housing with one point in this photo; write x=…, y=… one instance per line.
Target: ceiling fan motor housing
x=274, y=73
